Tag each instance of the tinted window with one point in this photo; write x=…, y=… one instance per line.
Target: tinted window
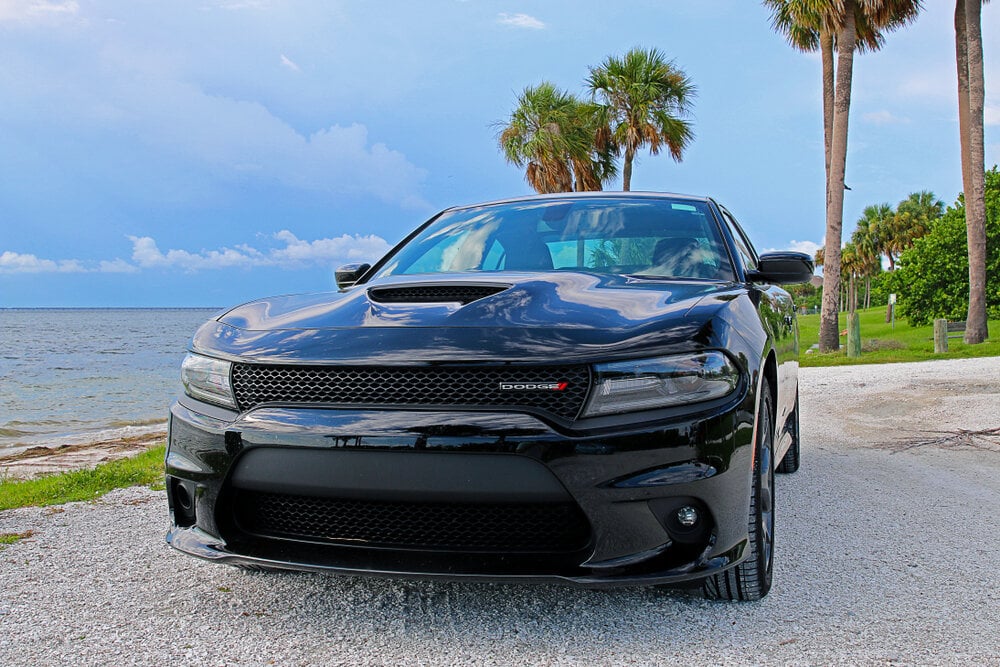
x=654, y=237
x=743, y=247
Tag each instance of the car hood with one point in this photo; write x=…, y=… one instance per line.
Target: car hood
x=534, y=317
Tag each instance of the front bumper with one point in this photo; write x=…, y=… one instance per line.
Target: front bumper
x=625, y=480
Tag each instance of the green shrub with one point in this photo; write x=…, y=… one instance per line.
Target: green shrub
x=932, y=279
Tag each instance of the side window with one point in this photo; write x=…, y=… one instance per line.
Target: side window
x=743, y=247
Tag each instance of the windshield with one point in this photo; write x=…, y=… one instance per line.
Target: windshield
x=660, y=238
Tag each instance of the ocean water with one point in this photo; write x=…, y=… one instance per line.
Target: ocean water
x=81, y=375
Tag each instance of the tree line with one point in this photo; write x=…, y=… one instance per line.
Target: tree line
x=931, y=279
x=924, y=246
x=840, y=28
x=883, y=232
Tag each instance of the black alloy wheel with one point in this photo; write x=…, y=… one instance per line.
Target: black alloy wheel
x=751, y=579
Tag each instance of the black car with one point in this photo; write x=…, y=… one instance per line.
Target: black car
x=588, y=388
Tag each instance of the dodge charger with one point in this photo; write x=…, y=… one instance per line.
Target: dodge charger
x=588, y=388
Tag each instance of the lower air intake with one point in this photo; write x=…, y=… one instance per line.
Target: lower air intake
x=505, y=527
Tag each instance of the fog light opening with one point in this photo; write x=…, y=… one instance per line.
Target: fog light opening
x=183, y=497
x=686, y=519
x=183, y=502
x=688, y=516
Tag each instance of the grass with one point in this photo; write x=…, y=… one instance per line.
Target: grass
x=145, y=468
x=10, y=538
x=881, y=344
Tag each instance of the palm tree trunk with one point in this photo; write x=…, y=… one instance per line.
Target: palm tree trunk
x=829, y=329
x=962, y=61
x=973, y=163
x=627, y=169
x=826, y=53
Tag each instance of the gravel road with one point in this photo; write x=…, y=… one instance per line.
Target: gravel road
x=888, y=554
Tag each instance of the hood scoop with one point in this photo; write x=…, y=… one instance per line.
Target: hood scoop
x=462, y=293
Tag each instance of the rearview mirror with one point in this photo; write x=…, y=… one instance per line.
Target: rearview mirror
x=348, y=274
x=783, y=268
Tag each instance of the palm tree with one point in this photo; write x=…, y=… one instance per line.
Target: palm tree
x=850, y=269
x=809, y=25
x=971, y=97
x=855, y=25
x=558, y=139
x=806, y=30
x=867, y=247
x=647, y=99
x=913, y=218
x=594, y=160
x=923, y=204
x=874, y=226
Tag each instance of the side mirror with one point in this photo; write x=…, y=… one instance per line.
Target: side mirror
x=783, y=268
x=348, y=274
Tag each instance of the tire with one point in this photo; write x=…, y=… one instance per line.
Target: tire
x=751, y=579
x=790, y=462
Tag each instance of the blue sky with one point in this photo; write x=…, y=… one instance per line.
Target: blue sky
x=205, y=153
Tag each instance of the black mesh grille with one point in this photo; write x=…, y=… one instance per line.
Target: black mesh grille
x=434, y=293
x=535, y=527
x=466, y=387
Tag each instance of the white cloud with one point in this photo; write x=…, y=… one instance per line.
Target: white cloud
x=324, y=251
x=147, y=255
x=808, y=247
x=14, y=262
x=520, y=21
x=116, y=265
x=293, y=253
x=27, y=10
x=289, y=63
x=885, y=117
x=241, y=140
x=147, y=100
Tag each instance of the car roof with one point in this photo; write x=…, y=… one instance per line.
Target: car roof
x=599, y=194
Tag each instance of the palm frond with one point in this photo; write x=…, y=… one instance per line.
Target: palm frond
x=647, y=99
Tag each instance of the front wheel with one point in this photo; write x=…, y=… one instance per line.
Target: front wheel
x=751, y=579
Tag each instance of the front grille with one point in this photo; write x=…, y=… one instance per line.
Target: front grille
x=508, y=527
x=434, y=293
x=461, y=387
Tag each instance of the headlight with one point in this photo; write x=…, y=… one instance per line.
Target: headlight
x=207, y=379
x=644, y=384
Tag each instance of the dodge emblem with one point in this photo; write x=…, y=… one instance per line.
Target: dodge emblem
x=533, y=386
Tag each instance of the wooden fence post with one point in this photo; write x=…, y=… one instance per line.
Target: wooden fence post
x=853, y=335
x=940, y=336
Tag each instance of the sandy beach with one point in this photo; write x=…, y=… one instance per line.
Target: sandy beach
x=41, y=460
